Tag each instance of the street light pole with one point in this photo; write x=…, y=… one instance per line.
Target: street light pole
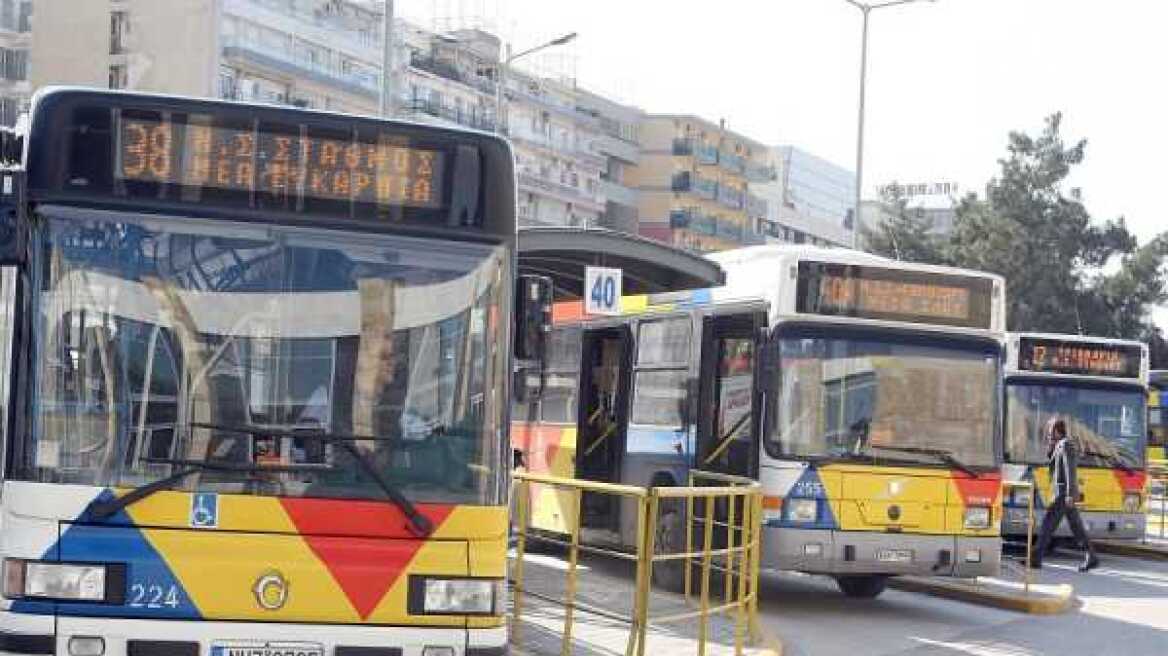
x=866, y=10
x=505, y=64
x=387, y=90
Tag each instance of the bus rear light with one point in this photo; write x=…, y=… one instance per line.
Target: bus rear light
x=456, y=596
x=802, y=510
x=31, y=579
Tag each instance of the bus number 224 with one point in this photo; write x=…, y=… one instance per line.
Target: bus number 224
x=152, y=595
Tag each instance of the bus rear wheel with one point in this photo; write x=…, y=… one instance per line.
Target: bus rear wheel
x=862, y=587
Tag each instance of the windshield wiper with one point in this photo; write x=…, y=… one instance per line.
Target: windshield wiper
x=419, y=524
x=944, y=455
x=1114, y=459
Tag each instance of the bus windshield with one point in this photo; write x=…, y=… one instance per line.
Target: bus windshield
x=875, y=399
x=1108, y=423
x=164, y=343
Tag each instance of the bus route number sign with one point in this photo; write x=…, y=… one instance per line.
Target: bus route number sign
x=602, y=291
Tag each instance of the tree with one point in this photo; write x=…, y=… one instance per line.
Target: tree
x=905, y=233
x=1059, y=264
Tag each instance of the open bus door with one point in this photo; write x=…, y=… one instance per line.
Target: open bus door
x=727, y=427
x=603, y=418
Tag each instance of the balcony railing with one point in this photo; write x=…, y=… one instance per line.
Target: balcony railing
x=683, y=147
x=361, y=83
x=731, y=162
x=731, y=197
x=474, y=117
x=755, y=207
x=760, y=172
x=696, y=184
x=729, y=230
x=693, y=220
x=705, y=154
x=449, y=71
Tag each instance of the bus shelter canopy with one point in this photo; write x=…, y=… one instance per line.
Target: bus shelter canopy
x=648, y=267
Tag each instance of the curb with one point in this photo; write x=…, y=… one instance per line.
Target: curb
x=1038, y=604
x=1132, y=549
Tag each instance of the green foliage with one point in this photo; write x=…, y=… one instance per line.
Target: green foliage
x=906, y=233
x=1065, y=272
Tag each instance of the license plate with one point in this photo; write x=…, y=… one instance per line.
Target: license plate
x=894, y=555
x=267, y=649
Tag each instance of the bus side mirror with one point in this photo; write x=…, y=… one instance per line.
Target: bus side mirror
x=13, y=235
x=533, y=322
x=533, y=318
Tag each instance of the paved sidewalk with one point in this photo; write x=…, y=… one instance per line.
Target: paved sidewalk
x=604, y=597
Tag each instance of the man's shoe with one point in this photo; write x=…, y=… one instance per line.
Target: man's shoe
x=1092, y=563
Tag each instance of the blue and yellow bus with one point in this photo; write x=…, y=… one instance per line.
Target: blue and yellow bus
x=863, y=393
x=258, y=376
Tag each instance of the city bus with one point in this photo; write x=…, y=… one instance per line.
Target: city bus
x=258, y=380
x=1157, y=415
x=861, y=392
x=1098, y=387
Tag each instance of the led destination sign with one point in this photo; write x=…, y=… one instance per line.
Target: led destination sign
x=1080, y=358
x=894, y=295
x=199, y=155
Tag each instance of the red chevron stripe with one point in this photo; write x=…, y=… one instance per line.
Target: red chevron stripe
x=365, y=545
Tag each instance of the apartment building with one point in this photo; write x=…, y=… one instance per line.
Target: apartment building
x=15, y=42
x=693, y=183
x=809, y=201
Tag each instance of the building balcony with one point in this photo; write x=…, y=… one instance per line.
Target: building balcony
x=535, y=183
x=731, y=197
x=279, y=61
x=473, y=118
x=728, y=230
x=683, y=147
x=691, y=182
x=758, y=173
x=693, y=220
x=451, y=72
x=732, y=162
x=359, y=41
x=618, y=193
x=573, y=151
x=755, y=207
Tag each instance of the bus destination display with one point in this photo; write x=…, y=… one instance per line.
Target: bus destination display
x=200, y=155
x=893, y=295
x=1079, y=358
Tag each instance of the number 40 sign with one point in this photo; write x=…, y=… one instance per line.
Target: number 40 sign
x=602, y=290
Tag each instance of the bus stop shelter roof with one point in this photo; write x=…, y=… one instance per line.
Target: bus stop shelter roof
x=648, y=267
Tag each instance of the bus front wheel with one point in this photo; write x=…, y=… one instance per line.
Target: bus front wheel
x=862, y=587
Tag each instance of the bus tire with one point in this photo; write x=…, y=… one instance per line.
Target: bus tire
x=670, y=538
x=862, y=587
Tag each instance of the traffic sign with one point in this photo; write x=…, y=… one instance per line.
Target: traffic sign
x=602, y=291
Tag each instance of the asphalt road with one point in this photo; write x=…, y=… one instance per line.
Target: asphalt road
x=1123, y=611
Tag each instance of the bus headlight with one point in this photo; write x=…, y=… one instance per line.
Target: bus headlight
x=977, y=517
x=802, y=510
x=61, y=581
x=439, y=596
x=1132, y=502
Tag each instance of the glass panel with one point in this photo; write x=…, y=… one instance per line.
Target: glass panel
x=563, y=349
x=845, y=398
x=665, y=341
x=162, y=342
x=560, y=398
x=735, y=386
x=660, y=398
x=1106, y=423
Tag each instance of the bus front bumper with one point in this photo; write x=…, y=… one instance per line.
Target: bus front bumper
x=35, y=634
x=1100, y=525
x=823, y=551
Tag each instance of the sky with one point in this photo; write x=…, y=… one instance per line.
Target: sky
x=947, y=80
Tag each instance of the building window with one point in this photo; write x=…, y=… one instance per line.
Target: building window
x=13, y=64
x=9, y=111
x=119, y=30
x=118, y=77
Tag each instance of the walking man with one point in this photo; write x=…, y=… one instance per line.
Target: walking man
x=1064, y=490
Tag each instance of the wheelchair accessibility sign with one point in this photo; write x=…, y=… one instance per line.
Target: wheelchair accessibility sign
x=204, y=510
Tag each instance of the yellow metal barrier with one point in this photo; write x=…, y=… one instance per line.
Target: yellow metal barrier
x=1157, y=497
x=1030, y=488
x=738, y=529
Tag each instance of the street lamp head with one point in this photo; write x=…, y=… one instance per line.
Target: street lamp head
x=567, y=38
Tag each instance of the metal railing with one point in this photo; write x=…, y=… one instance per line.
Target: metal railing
x=1027, y=573
x=736, y=530
x=1157, y=499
